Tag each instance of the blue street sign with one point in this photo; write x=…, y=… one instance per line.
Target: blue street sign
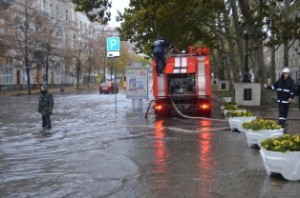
x=113, y=46
x=113, y=43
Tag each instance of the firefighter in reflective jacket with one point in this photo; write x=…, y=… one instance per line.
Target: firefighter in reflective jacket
x=285, y=94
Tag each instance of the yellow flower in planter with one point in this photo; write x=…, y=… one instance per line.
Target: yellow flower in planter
x=280, y=154
x=239, y=114
x=285, y=143
x=230, y=105
x=261, y=124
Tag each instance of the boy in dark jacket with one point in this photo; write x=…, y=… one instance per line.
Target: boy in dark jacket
x=45, y=107
x=285, y=94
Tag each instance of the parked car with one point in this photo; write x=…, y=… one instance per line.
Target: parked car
x=108, y=87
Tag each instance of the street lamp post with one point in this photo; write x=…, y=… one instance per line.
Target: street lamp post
x=246, y=77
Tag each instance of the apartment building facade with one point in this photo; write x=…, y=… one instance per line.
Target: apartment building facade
x=294, y=60
x=67, y=51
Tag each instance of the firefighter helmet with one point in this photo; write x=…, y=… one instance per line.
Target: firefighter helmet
x=286, y=70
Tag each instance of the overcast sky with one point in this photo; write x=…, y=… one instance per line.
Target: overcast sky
x=117, y=5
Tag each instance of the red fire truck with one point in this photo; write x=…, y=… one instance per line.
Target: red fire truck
x=185, y=85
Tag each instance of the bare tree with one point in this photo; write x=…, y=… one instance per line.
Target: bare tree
x=95, y=53
x=4, y=32
x=34, y=37
x=47, y=42
x=24, y=39
x=80, y=54
x=21, y=26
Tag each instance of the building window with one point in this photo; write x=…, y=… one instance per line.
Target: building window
x=47, y=9
x=24, y=76
x=51, y=14
x=44, y=6
x=8, y=74
x=66, y=41
x=66, y=15
x=80, y=28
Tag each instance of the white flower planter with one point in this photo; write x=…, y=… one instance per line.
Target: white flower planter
x=239, y=110
x=287, y=164
x=236, y=122
x=255, y=137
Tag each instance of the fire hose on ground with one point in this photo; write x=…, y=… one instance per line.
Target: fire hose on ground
x=192, y=117
x=204, y=118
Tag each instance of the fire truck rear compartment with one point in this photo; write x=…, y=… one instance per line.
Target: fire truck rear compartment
x=181, y=84
x=183, y=93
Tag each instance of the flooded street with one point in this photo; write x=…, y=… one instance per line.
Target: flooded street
x=95, y=151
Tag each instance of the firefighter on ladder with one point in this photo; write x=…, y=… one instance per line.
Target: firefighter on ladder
x=158, y=47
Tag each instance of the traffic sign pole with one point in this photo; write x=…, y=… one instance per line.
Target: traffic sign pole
x=115, y=81
x=113, y=50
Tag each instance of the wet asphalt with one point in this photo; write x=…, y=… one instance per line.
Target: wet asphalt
x=97, y=149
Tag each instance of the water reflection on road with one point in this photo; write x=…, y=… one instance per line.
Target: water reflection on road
x=160, y=157
x=206, y=158
x=182, y=159
x=93, y=151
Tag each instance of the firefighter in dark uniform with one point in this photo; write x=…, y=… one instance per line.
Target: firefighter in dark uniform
x=158, y=47
x=285, y=94
x=45, y=107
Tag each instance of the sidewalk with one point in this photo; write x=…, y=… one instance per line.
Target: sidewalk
x=55, y=90
x=271, y=111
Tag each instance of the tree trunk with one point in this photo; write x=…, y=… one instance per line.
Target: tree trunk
x=89, y=77
x=233, y=63
x=258, y=61
x=273, y=68
x=46, y=70
x=287, y=15
x=285, y=55
x=221, y=53
x=78, y=73
x=239, y=39
x=256, y=47
x=28, y=79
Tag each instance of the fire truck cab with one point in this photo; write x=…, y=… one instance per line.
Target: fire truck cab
x=185, y=84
